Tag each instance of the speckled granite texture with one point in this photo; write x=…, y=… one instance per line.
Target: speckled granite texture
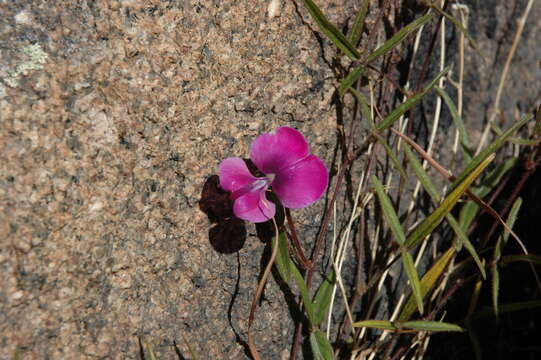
x=113, y=114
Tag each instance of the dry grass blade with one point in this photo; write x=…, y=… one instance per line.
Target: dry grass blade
x=259, y=291
x=427, y=282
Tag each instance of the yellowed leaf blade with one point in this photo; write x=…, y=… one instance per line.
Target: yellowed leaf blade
x=432, y=221
x=427, y=282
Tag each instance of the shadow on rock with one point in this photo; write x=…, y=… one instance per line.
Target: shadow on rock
x=228, y=234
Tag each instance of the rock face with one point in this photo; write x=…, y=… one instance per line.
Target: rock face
x=112, y=116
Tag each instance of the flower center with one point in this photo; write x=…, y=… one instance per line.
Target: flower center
x=260, y=184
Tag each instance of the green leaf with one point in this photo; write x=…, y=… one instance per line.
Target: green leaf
x=413, y=325
x=331, y=31
x=283, y=260
x=431, y=326
x=434, y=219
x=375, y=324
x=489, y=150
x=308, y=306
x=357, y=28
x=390, y=153
x=322, y=299
x=459, y=123
x=408, y=104
x=352, y=77
x=388, y=212
x=427, y=282
x=413, y=277
x=321, y=348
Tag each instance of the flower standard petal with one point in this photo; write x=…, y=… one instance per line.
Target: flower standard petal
x=254, y=206
x=234, y=174
x=302, y=183
x=271, y=152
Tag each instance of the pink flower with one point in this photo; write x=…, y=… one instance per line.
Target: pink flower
x=296, y=177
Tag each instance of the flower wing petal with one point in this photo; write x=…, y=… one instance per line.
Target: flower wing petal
x=254, y=207
x=234, y=174
x=271, y=152
x=302, y=183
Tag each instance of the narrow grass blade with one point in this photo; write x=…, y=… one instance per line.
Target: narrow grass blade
x=434, y=219
x=421, y=175
x=427, y=282
x=431, y=326
x=389, y=212
x=413, y=277
x=150, y=351
x=459, y=123
x=354, y=75
x=489, y=150
x=308, y=306
x=417, y=325
x=390, y=153
x=489, y=182
x=322, y=299
x=500, y=244
x=467, y=214
x=462, y=29
x=495, y=288
x=474, y=341
x=331, y=31
x=350, y=79
x=533, y=259
x=283, y=260
x=506, y=308
x=398, y=37
x=365, y=108
x=511, y=218
x=411, y=102
x=358, y=25
x=473, y=253
x=375, y=324
x=321, y=348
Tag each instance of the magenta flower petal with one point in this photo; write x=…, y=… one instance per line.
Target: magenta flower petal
x=302, y=183
x=234, y=174
x=254, y=207
x=271, y=152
